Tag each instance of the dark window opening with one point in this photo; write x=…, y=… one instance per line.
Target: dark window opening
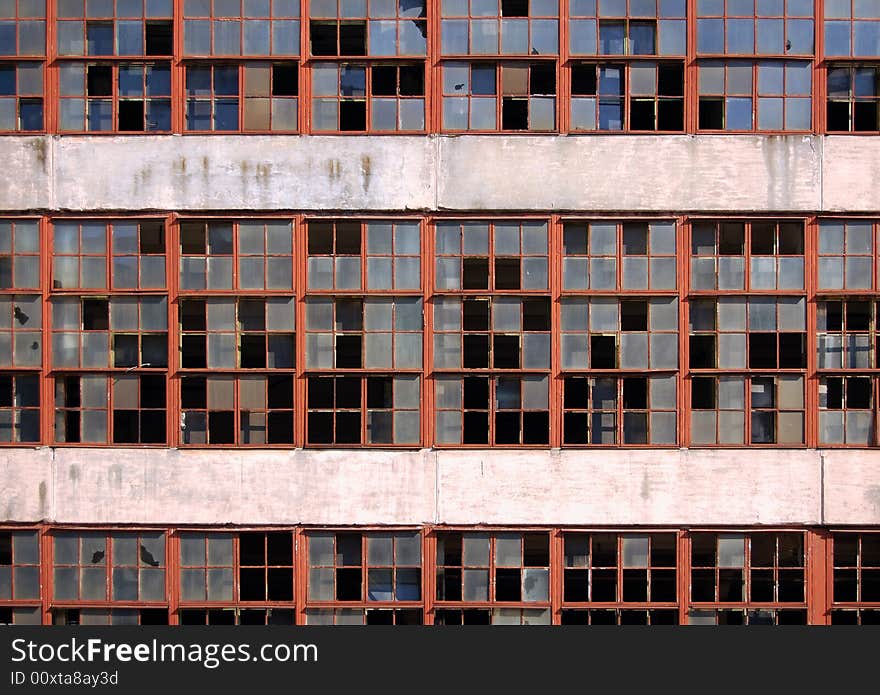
x=96, y=314
x=865, y=116
x=475, y=351
x=634, y=315
x=348, y=352
x=475, y=273
x=352, y=115
x=536, y=314
x=514, y=8
x=703, y=393
x=711, y=113
x=702, y=351
x=221, y=427
x=603, y=352
x=506, y=351
x=131, y=115
x=353, y=38
x=323, y=38
x=793, y=350
x=838, y=115
x=285, y=80
x=507, y=273
x=159, y=38
x=762, y=350
x=514, y=113
x=542, y=79
x=641, y=115
x=99, y=80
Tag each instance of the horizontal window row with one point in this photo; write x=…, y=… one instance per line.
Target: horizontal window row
x=390, y=96
x=386, y=27
x=466, y=576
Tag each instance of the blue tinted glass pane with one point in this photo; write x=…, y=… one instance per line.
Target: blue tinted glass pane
x=198, y=115
x=285, y=37
x=610, y=81
x=866, y=38
x=771, y=36
x=710, y=8
x=197, y=37
x=798, y=78
x=841, y=9
x=837, y=38
x=799, y=8
x=198, y=81
x=673, y=8
x=226, y=114
x=353, y=81
x=454, y=36
x=739, y=114
x=582, y=8
x=800, y=36
x=413, y=38
x=7, y=80
x=610, y=114
x=710, y=36
x=100, y=39
x=864, y=83
x=740, y=36
x=131, y=82
x=770, y=78
x=159, y=114
x=131, y=38
x=612, y=8
x=7, y=38
x=483, y=79
x=641, y=38
x=673, y=37
x=740, y=8
x=256, y=38
x=797, y=114
x=158, y=81
x=770, y=8
x=770, y=114
x=100, y=114
x=226, y=80
x=31, y=113
x=583, y=36
x=866, y=9
x=611, y=36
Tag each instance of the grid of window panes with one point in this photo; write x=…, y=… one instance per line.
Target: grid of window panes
x=20, y=585
x=736, y=339
x=466, y=575
x=497, y=65
x=855, y=578
x=21, y=96
x=492, y=316
x=244, y=578
x=619, y=579
x=492, y=578
x=748, y=579
x=372, y=578
x=364, y=315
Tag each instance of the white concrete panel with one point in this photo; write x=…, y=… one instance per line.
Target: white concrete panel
x=241, y=487
x=26, y=484
x=660, y=173
x=687, y=487
x=243, y=172
x=629, y=173
x=852, y=487
x=28, y=175
x=851, y=174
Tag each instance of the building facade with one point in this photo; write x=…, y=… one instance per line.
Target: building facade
x=471, y=311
